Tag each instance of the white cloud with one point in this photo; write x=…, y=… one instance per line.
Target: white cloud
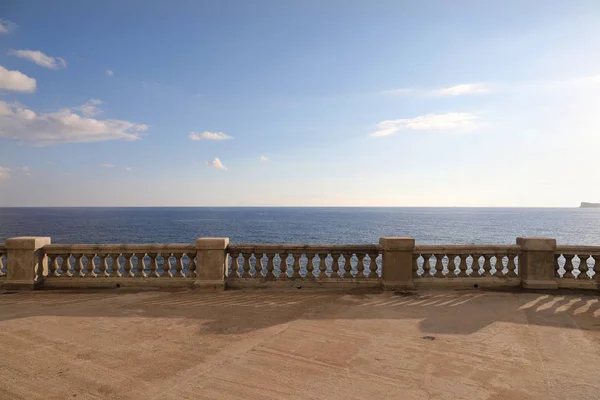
x=209, y=136
x=89, y=109
x=16, y=81
x=25, y=169
x=40, y=58
x=63, y=126
x=464, y=89
x=263, y=158
x=110, y=72
x=128, y=169
x=4, y=173
x=7, y=26
x=447, y=121
x=107, y=165
x=216, y=163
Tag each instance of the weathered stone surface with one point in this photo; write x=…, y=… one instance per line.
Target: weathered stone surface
x=211, y=263
x=396, y=270
x=25, y=261
x=537, y=264
x=294, y=344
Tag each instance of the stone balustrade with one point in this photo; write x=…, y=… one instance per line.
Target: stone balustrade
x=577, y=266
x=480, y=265
x=213, y=263
x=256, y=265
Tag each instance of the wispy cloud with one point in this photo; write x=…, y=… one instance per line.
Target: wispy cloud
x=63, y=126
x=216, y=163
x=264, y=159
x=209, y=136
x=107, y=165
x=7, y=26
x=448, y=121
x=25, y=170
x=16, y=81
x=40, y=58
x=89, y=109
x=110, y=72
x=463, y=89
x=128, y=169
x=4, y=173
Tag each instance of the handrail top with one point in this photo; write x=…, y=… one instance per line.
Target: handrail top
x=123, y=248
x=467, y=248
x=574, y=249
x=303, y=247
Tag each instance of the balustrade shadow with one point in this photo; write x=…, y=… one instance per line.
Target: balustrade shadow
x=238, y=312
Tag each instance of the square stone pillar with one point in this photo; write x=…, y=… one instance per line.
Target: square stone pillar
x=27, y=264
x=537, y=264
x=396, y=270
x=211, y=262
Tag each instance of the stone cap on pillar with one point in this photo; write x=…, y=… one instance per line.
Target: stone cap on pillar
x=27, y=242
x=536, y=243
x=397, y=243
x=212, y=243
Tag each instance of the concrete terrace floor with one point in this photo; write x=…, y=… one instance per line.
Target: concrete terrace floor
x=298, y=345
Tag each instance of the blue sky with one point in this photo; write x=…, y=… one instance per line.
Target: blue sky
x=241, y=103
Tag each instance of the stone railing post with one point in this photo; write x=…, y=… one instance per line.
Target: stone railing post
x=27, y=263
x=211, y=263
x=396, y=271
x=537, y=262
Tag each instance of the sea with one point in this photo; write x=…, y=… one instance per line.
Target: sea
x=316, y=225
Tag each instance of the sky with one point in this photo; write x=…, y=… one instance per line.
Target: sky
x=299, y=103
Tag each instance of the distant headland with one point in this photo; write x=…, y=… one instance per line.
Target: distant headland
x=589, y=205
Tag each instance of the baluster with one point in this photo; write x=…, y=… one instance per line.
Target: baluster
x=310, y=267
x=462, y=267
x=246, y=266
x=426, y=266
x=335, y=265
x=499, y=266
x=475, y=265
x=65, y=268
x=153, y=265
x=235, y=265
x=348, y=266
x=191, y=265
x=2, y=264
x=90, y=267
x=296, y=265
x=360, y=265
x=116, y=266
x=487, y=266
x=568, y=266
x=178, y=265
x=54, y=267
x=78, y=266
x=596, y=267
x=270, y=266
x=322, y=266
x=167, y=265
x=283, y=266
x=451, y=266
x=439, y=266
x=140, y=268
x=583, y=267
x=128, y=265
x=258, y=265
x=512, y=268
x=102, y=266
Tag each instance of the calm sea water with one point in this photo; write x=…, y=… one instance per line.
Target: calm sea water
x=301, y=225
